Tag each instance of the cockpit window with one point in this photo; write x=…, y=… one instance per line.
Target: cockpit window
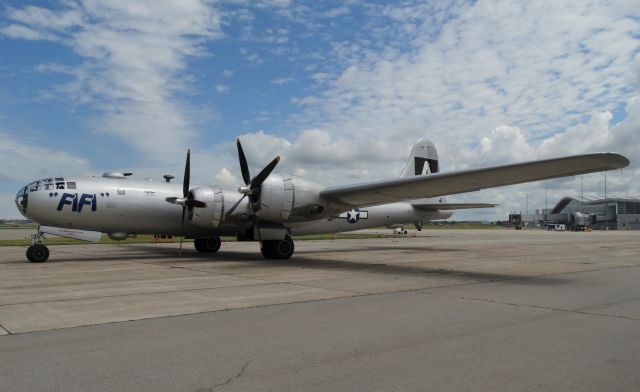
x=59, y=179
x=33, y=186
x=71, y=185
x=59, y=185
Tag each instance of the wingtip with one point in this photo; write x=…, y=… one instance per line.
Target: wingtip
x=617, y=161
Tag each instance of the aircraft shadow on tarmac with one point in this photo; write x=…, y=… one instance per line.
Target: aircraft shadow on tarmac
x=245, y=260
x=302, y=259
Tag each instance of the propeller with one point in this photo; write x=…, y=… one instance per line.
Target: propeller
x=252, y=185
x=187, y=200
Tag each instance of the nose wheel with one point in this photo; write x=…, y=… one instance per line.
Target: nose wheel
x=37, y=253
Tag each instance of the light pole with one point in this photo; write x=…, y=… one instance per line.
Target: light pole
x=606, y=205
x=581, y=194
x=546, y=208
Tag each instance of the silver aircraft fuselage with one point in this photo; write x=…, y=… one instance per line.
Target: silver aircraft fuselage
x=127, y=206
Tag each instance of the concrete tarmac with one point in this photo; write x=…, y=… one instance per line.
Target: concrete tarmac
x=447, y=310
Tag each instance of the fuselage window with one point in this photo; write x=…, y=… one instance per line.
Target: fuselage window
x=71, y=185
x=59, y=185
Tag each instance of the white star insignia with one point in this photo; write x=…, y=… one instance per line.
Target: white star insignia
x=353, y=216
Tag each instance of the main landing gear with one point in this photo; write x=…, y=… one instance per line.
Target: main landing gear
x=37, y=252
x=207, y=245
x=277, y=249
x=271, y=249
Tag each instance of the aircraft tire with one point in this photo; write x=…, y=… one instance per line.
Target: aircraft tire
x=277, y=249
x=207, y=245
x=37, y=253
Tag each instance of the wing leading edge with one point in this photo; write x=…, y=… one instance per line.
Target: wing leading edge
x=442, y=184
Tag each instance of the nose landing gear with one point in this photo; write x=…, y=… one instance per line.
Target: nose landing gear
x=37, y=252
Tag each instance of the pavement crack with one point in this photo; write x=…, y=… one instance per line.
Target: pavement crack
x=231, y=379
x=6, y=330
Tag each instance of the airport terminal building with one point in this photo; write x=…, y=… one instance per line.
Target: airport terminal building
x=615, y=213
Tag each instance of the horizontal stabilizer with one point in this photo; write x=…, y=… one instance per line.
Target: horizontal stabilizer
x=451, y=206
x=83, y=235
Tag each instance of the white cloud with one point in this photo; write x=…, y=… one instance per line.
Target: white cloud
x=22, y=160
x=260, y=148
x=488, y=84
x=281, y=81
x=221, y=88
x=134, y=62
x=335, y=12
x=23, y=32
x=226, y=178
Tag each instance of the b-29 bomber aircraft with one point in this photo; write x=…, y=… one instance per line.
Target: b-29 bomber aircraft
x=271, y=207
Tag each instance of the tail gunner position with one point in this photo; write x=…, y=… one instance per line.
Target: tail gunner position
x=271, y=207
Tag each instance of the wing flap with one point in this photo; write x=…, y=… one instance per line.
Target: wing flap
x=442, y=184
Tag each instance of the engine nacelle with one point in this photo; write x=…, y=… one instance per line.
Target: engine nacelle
x=281, y=199
x=276, y=199
x=210, y=216
x=285, y=198
x=219, y=201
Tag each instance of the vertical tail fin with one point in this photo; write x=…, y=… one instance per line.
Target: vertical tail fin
x=422, y=161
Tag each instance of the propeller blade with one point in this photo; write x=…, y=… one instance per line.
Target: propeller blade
x=259, y=179
x=235, y=206
x=184, y=209
x=187, y=174
x=244, y=167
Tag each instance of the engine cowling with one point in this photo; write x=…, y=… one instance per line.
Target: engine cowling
x=275, y=201
x=282, y=198
x=219, y=201
x=208, y=216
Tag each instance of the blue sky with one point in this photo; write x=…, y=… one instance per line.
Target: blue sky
x=340, y=88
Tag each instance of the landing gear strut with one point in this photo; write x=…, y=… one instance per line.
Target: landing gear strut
x=207, y=245
x=277, y=249
x=37, y=253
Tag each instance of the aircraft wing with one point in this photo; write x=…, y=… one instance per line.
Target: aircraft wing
x=442, y=184
x=451, y=206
